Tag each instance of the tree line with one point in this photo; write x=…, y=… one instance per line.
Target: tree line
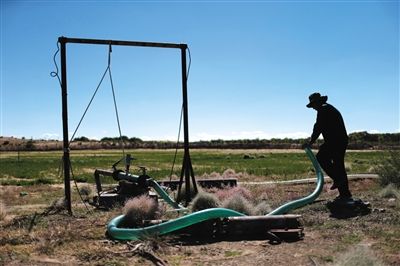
x=357, y=140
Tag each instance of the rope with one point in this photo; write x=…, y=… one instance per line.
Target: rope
x=90, y=102
x=108, y=69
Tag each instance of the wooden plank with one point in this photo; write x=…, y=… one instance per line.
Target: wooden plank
x=265, y=218
x=208, y=183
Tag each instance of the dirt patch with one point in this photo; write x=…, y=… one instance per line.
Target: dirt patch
x=32, y=237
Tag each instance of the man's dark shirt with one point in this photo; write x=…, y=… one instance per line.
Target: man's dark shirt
x=331, y=125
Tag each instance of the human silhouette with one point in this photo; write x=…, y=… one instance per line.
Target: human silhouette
x=332, y=152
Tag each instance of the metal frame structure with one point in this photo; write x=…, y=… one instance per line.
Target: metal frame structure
x=187, y=169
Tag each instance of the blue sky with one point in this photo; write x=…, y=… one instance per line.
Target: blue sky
x=254, y=64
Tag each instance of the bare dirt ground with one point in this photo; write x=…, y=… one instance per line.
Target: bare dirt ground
x=34, y=232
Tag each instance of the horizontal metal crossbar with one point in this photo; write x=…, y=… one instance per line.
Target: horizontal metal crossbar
x=124, y=43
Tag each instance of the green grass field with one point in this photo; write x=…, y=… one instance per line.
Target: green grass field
x=28, y=168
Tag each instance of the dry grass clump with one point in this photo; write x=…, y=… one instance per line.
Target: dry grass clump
x=85, y=192
x=57, y=206
x=3, y=211
x=389, y=169
x=360, y=255
x=228, y=173
x=204, y=200
x=262, y=208
x=229, y=192
x=182, y=194
x=390, y=191
x=138, y=209
x=240, y=204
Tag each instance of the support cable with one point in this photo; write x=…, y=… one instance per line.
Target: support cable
x=90, y=102
x=108, y=69
x=177, y=145
x=77, y=188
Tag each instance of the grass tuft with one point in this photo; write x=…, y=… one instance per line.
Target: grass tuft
x=180, y=196
x=229, y=192
x=390, y=191
x=204, y=200
x=262, y=208
x=238, y=203
x=86, y=192
x=389, y=169
x=138, y=209
x=360, y=255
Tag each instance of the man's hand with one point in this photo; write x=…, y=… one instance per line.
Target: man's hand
x=306, y=145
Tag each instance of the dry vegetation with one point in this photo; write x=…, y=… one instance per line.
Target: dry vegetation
x=37, y=231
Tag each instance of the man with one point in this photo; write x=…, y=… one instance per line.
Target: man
x=331, y=153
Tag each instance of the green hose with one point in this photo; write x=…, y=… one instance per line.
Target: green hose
x=167, y=227
x=164, y=195
x=200, y=216
x=310, y=198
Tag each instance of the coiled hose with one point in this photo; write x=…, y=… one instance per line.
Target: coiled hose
x=200, y=216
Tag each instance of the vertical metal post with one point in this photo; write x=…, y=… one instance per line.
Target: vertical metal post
x=67, y=184
x=187, y=169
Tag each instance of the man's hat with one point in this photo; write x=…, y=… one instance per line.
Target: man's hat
x=316, y=98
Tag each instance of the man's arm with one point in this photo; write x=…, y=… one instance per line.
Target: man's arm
x=316, y=133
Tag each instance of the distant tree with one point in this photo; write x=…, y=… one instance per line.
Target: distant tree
x=81, y=139
x=135, y=140
x=30, y=145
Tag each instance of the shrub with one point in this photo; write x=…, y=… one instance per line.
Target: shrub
x=30, y=145
x=138, y=209
x=204, y=200
x=389, y=169
x=240, y=204
x=360, y=255
x=262, y=208
x=182, y=194
x=390, y=191
x=83, y=138
x=85, y=192
x=228, y=173
x=57, y=206
x=228, y=192
x=247, y=157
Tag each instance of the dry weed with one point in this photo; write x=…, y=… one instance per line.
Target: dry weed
x=180, y=195
x=240, y=204
x=262, y=208
x=359, y=255
x=390, y=191
x=138, y=209
x=204, y=200
x=228, y=192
